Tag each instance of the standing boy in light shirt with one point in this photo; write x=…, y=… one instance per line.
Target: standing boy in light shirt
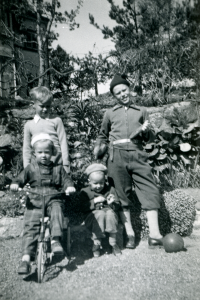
x=44, y=122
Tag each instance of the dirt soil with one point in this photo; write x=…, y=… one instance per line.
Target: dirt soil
x=137, y=274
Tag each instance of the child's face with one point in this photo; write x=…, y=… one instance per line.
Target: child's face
x=43, y=152
x=97, y=181
x=42, y=109
x=121, y=93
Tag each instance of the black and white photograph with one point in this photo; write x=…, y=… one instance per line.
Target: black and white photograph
x=99, y=149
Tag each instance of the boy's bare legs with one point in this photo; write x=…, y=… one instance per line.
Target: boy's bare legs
x=125, y=217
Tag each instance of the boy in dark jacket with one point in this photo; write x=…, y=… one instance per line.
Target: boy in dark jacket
x=124, y=128
x=42, y=175
x=100, y=203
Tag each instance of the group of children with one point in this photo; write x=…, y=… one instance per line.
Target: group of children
x=46, y=165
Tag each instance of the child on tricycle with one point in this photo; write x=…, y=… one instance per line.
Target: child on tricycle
x=42, y=174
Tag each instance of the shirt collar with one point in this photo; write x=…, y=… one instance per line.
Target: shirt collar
x=120, y=106
x=37, y=118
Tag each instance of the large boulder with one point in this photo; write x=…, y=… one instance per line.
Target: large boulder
x=160, y=116
x=5, y=140
x=23, y=113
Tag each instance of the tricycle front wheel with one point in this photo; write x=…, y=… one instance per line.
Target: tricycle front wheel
x=41, y=262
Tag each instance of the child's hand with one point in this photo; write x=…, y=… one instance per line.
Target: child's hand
x=70, y=190
x=110, y=199
x=99, y=199
x=146, y=125
x=14, y=187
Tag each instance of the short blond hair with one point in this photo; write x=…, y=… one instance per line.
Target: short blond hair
x=49, y=143
x=41, y=94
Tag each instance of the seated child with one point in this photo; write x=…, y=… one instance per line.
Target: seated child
x=44, y=122
x=42, y=174
x=100, y=203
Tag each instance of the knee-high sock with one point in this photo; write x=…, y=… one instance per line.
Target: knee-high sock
x=152, y=217
x=112, y=239
x=125, y=217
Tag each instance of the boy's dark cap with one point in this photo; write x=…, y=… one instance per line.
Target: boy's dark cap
x=95, y=168
x=118, y=79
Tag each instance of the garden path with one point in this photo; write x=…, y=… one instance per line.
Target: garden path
x=139, y=274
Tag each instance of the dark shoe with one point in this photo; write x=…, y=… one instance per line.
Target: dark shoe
x=107, y=249
x=56, y=248
x=155, y=243
x=96, y=250
x=131, y=242
x=24, y=268
x=115, y=250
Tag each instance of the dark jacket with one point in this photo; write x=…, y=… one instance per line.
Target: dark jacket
x=119, y=123
x=87, y=199
x=49, y=179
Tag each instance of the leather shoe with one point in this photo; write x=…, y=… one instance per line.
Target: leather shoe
x=24, y=268
x=116, y=250
x=155, y=243
x=131, y=242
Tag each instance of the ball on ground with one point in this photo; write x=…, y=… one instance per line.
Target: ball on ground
x=173, y=242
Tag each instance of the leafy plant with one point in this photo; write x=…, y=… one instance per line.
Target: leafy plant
x=174, y=155
x=13, y=205
x=84, y=123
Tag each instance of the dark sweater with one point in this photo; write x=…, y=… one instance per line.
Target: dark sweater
x=87, y=199
x=55, y=177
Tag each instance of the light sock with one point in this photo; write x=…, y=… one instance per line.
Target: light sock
x=112, y=239
x=126, y=221
x=26, y=257
x=152, y=217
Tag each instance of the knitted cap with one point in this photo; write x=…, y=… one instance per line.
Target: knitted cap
x=118, y=79
x=95, y=168
x=39, y=137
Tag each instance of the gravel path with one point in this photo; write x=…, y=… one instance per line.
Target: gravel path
x=137, y=274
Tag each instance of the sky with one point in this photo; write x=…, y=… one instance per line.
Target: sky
x=86, y=38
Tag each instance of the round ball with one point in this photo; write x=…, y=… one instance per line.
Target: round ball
x=173, y=242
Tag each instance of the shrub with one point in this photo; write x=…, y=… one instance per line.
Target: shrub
x=174, y=156
x=13, y=205
x=176, y=214
x=181, y=208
